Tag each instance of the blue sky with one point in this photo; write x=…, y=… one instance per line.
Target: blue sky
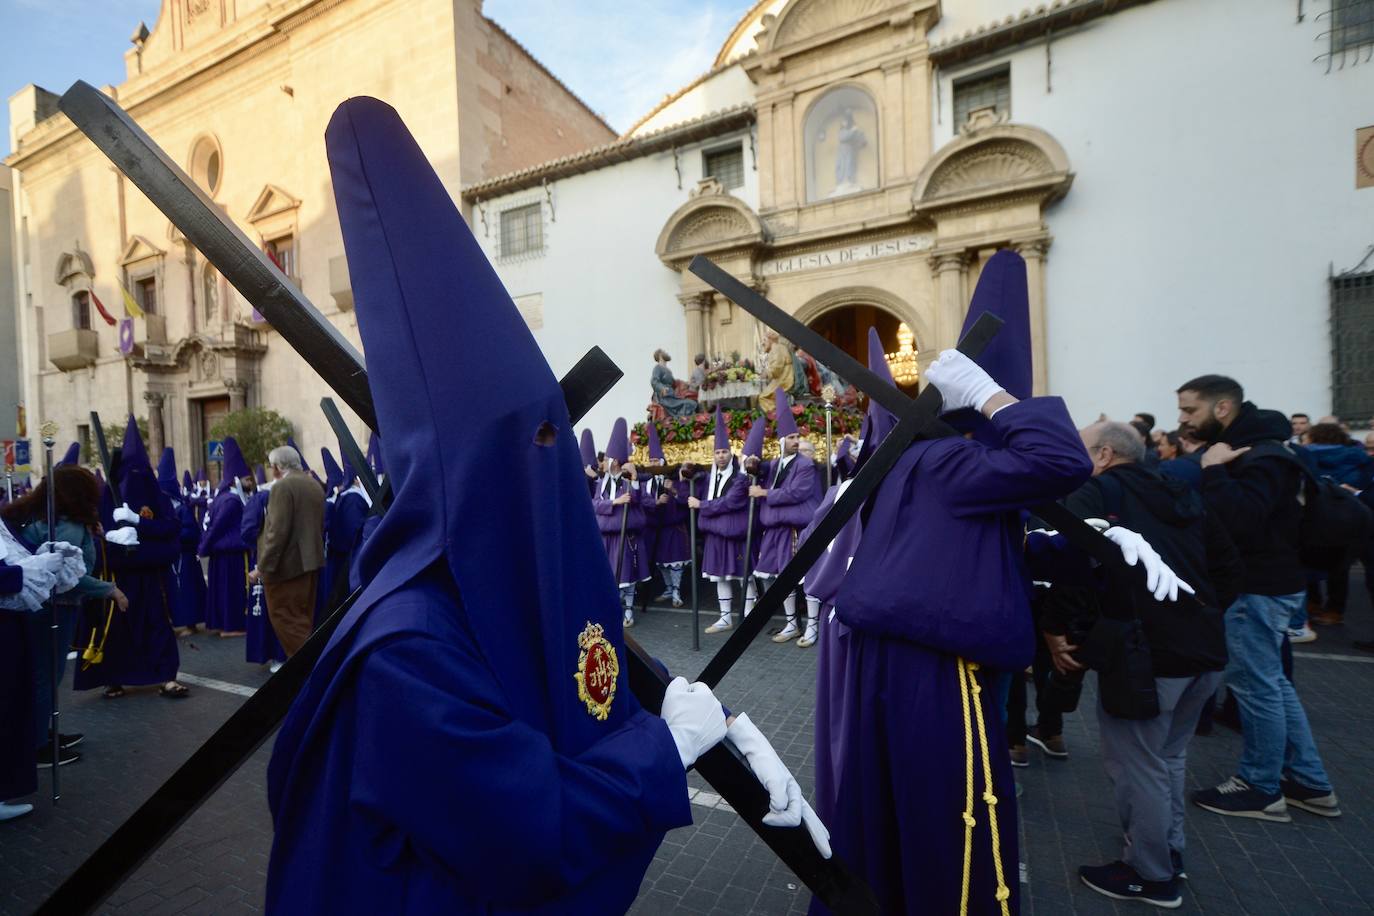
x=620, y=63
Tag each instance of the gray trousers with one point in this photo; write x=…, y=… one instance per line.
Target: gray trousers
x=1145, y=762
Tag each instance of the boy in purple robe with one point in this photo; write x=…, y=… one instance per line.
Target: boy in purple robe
x=468, y=742
x=260, y=644
x=665, y=508
x=721, y=499
x=591, y=465
x=786, y=505
x=143, y=541
x=346, y=522
x=619, y=506
x=333, y=477
x=188, y=580
x=226, y=603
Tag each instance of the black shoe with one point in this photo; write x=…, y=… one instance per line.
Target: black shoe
x=66, y=742
x=1176, y=858
x=64, y=757
x=1236, y=798
x=1121, y=882
x=1316, y=801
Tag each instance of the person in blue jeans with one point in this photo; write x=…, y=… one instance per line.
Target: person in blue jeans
x=1250, y=482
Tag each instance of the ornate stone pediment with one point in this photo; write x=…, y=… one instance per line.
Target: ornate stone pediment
x=991, y=161
x=73, y=264
x=803, y=20
x=712, y=220
x=272, y=201
x=139, y=249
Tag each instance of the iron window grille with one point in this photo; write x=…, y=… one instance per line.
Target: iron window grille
x=1352, y=344
x=522, y=231
x=725, y=165
x=1349, y=31
x=989, y=89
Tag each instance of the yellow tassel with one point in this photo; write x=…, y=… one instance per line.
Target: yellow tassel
x=968, y=783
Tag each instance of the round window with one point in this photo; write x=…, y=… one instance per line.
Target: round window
x=206, y=164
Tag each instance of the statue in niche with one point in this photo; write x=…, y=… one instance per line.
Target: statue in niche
x=849, y=141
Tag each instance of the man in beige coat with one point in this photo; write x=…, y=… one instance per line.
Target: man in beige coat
x=291, y=548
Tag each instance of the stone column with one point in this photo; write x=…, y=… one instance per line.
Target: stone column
x=695, y=307
x=156, y=435
x=948, y=266
x=1034, y=252
x=238, y=393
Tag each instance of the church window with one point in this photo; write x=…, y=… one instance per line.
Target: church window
x=81, y=310
x=145, y=294
x=989, y=89
x=725, y=165
x=1352, y=24
x=522, y=230
x=1352, y=351
x=841, y=142
x=282, y=252
x=207, y=164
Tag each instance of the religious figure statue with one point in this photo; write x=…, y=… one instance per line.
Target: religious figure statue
x=665, y=387
x=849, y=140
x=777, y=369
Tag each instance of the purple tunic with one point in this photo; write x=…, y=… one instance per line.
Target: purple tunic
x=227, y=599
x=666, y=524
x=188, y=604
x=793, y=493
x=938, y=575
x=723, y=520
x=634, y=565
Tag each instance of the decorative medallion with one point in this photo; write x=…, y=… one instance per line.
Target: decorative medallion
x=598, y=668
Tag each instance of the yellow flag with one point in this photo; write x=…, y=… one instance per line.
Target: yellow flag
x=130, y=305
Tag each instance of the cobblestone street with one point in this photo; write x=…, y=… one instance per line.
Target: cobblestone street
x=217, y=861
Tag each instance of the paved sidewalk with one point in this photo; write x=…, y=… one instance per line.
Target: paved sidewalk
x=217, y=861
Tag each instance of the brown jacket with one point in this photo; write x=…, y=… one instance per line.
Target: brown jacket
x=292, y=539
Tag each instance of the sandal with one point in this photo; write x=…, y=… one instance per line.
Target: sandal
x=173, y=691
x=113, y=693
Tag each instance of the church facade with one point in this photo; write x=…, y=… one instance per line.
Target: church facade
x=1190, y=185
x=238, y=92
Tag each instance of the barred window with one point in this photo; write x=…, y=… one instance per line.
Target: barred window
x=1352, y=24
x=991, y=88
x=522, y=231
x=1352, y=346
x=725, y=165
x=81, y=310
x=145, y=293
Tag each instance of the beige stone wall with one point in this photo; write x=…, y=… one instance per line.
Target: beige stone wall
x=262, y=80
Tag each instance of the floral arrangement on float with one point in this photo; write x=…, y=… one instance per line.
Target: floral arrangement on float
x=692, y=438
x=728, y=372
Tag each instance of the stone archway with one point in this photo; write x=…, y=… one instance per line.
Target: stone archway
x=844, y=315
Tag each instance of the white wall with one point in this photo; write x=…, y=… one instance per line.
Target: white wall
x=729, y=88
x=601, y=283
x=1215, y=186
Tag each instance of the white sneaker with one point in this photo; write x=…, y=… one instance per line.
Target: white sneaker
x=788, y=633
x=720, y=626
x=9, y=812
x=1302, y=634
x=274, y=668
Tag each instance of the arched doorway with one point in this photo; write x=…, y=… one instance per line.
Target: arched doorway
x=847, y=328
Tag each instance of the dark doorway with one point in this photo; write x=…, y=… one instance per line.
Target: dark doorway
x=847, y=328
x=211, y=411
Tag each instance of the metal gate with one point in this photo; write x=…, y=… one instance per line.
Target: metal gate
x=1352, y=346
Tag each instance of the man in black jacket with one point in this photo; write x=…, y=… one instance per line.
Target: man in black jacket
x=1251, y=483
x=1146, y=758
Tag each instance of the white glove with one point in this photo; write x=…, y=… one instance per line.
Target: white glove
x=694, y=717
x=961, y=381
x=786, y=807
x=124, y=537
x=65, y=561
x=125, y=514
x=1160, y=580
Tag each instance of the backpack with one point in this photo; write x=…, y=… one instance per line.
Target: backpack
x=1333, y=518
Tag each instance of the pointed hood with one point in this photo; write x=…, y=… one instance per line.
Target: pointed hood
x=138, y=485
x=722, y=432
x=235, y=467
x=587, y=449
x=291, y=441
x=1002, y=291
x=333, y=474
x=878, y=421
x=618, y=445
x=753, y=442
x=202, y=476
x=785, y=424
x=655, y=447
x=71, y=457
x=433, y=315
x=167, y=474
x=346, y=471
x=259, y=474
x=374, y=455
x=186, y=482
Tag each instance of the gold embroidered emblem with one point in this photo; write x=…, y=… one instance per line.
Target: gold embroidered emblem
x=597, y=670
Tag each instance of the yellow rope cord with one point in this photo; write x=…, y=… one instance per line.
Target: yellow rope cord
x=968, y=782
x=1003, y=892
